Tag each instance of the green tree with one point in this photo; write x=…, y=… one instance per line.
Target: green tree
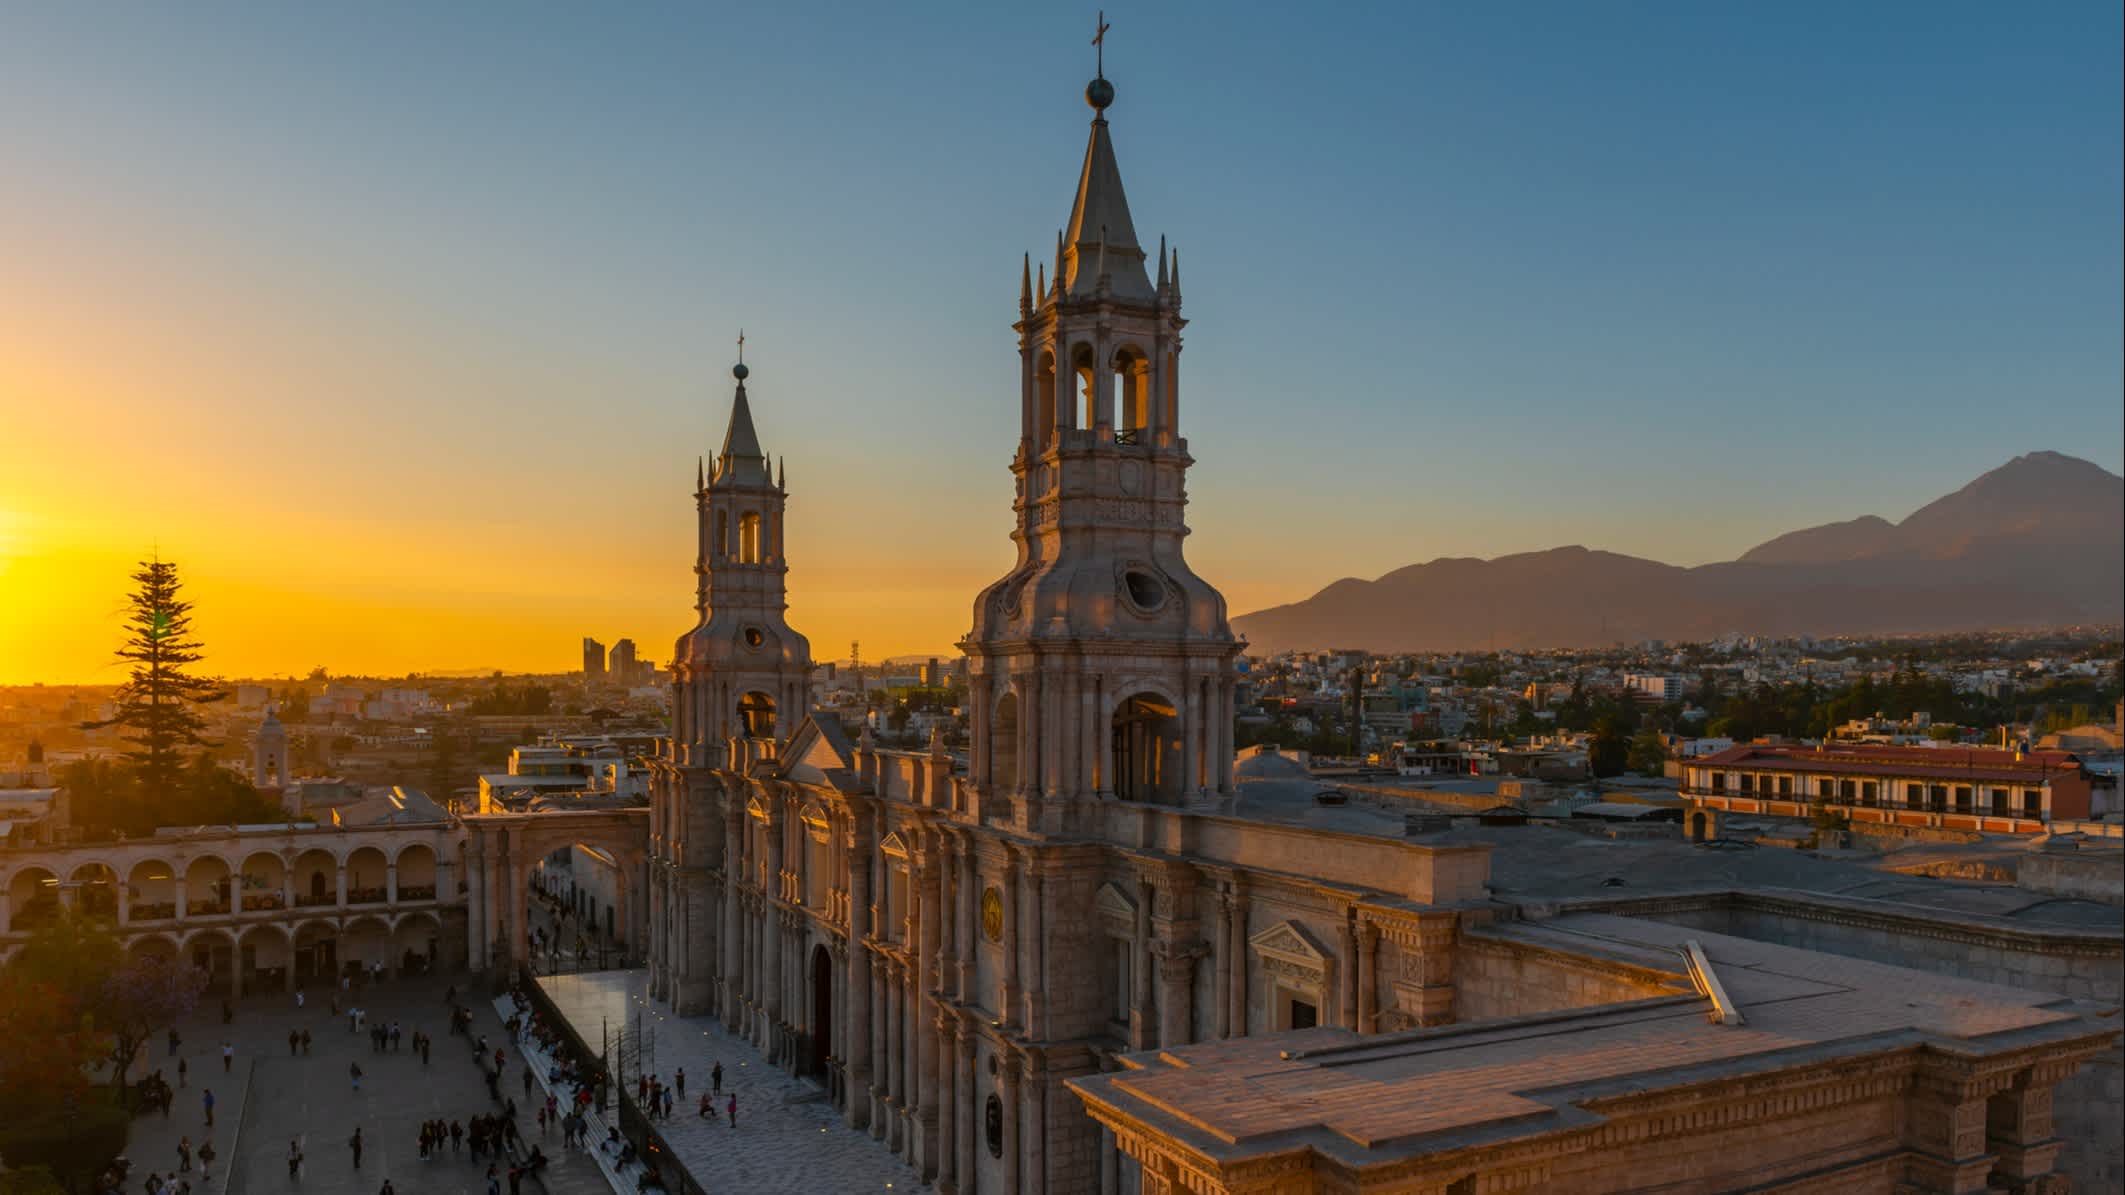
x=155, y=704
x=1609, y=753
x=1649, y=752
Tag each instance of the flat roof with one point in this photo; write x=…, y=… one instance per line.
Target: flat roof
x=1369, y=1100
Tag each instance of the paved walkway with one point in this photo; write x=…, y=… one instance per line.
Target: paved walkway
x=270, y=1098
x=788, y=1140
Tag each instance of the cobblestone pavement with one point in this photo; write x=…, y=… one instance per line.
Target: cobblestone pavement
x=270, y=1098
x=788, y=1140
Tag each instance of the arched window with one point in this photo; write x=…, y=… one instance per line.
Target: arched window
x=1044, y=400
x=749, y=537
x=1132, y=388
x=774, y=538
x=1003, y=744
x=757, y=711
x=1087, y=386
x=1147, y=750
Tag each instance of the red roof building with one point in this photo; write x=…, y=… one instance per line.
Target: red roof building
x=1956, y=788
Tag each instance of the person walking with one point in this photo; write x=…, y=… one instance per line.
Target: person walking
x=494, y=1185
x=715, y=1078
x=295, y=1158
x=298, y=1000
x=354, y=1144
x=354, y=1072
x=388, y=1189
x=184, y=1153
x=228, y=1057
x=206, y=1159
x=678, y=1080
x=527, y=1080
x=306, y=1043
x=732, y=1108
x=457, y=1135
x=181, y=1071
x=206, y=1099
x=295, y=1041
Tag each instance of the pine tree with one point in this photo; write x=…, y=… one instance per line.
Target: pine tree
x=155, y=705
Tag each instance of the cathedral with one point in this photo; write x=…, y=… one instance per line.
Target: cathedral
x=1103, y=954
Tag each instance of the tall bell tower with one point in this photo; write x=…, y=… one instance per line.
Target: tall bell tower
x=1102, y=666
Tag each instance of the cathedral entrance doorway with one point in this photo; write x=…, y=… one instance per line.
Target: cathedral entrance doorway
x=1147, y=750
x=822, y=1010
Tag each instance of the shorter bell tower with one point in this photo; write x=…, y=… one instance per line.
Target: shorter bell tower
x=741, y=673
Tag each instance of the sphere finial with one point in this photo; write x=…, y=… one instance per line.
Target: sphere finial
x=1099, y=93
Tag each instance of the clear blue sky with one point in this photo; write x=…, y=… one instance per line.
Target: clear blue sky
x=1666, y=278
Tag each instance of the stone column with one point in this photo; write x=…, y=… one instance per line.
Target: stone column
x=1140, y=1035
x=1176, y=973
x=177, y=886
x=1010, y=1125
x=771, y=971
x=944, y=1065
x=1009, y=1006
x=1945, y=1128
x=895, y=1083
x=519, y=876
x=1029, y=936
x=978, y=699
x=475, y=902
x=882, y=1085
x=124, y=893
x=733, y=868
x=930, y=889
x=969, y=901
x=1368, y=978
x=341, y=869
x=857, y=1016
x=1349, y=977
x=390, y=882
x=967, y=1109
x=1191, y=737
x=7, y=917
x=1223, y=987
x=287, y=886
x=1035, y=1139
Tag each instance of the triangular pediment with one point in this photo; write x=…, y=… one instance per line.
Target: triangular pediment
x=813, y=753
x=893, y=844
x=1289, y=940
x=1115, y=910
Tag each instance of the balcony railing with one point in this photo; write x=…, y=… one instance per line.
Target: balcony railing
x=416, y=892
x=152, y=910
x=367, y=896
x=206, y=908
x=257, y=902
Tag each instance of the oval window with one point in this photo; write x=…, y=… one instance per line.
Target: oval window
x=754, y=636
x=1144, y=588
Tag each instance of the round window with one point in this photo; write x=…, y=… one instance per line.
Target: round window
x=1144, y=589
x=754, y=636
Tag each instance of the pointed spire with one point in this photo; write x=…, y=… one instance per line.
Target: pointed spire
x=781, y=472
x=741, y=459
x=1176, y=276
x=1042, y=288
x=1025, y=286
x=700, y=475
x=1161, y=267
x=1058, y=261
x=1099, y=219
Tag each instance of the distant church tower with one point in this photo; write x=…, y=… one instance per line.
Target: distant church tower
x=269, y=753
x=1102, y=666
x=741, y=682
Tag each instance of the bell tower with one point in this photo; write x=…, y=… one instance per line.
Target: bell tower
x=1102, y=666
x=741, y=673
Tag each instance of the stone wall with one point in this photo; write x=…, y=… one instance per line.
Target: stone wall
x=2081, y=875
x=1496, y=977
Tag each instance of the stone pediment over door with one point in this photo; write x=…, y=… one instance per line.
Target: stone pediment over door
x=1117, y=913
x=1287, y=948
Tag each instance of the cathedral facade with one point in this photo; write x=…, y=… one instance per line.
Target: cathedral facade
x=944, y=943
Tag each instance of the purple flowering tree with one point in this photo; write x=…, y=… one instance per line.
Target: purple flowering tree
x=143, y=996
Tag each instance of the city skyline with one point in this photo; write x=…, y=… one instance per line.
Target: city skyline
x=411, y=443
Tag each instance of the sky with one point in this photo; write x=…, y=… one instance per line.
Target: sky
x=400, y=326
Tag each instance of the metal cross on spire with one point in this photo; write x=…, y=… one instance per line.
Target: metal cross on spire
x=1099, y=45
x=741, y=346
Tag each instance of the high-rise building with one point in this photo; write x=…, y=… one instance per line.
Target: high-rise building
x=623, y=667
x=593, y=659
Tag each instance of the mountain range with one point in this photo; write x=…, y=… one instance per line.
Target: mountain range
x=2039, y=541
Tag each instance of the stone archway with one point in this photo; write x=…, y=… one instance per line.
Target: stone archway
x=503, y=854
x=1703, y=827
x=822, y=1035
x=1146, y=730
